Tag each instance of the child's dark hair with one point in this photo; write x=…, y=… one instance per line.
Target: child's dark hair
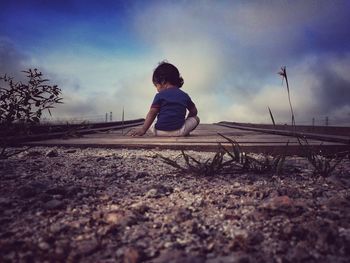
x=166, y=72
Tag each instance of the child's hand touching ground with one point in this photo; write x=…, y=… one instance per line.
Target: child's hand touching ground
x=137, y=132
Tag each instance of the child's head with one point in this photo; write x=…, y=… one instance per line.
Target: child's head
x=167, y=73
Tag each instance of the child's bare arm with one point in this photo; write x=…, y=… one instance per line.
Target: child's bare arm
x=192, y=112
x=151, y=115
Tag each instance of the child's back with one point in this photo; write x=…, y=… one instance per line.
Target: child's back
x=169, y=105
x=172, y=104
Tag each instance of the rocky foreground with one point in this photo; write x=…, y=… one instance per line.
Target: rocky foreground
x=104, y=205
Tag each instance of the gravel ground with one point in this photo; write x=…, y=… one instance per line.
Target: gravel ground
x=114, y=205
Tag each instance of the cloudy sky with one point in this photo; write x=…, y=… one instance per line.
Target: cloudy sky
x=102, y=55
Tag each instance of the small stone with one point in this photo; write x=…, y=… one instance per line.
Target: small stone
x=177, y=256
x=236, y=184
x=122, y=218
x=56, y=191
x=168, y=244
x=52, y=153
x=152, y=193
x=256, y=216
x=140, y=207
x=10, y=176
x=71, y=151
x=56, y=228
x=5, y=202
x=233, y=258
x=183, y=214
x=105, y=197
x=142, y=175
x=87, y=247
x=53, y=204
x=27, y=191
x=255, y=238
x=72, y=190
x=59, y=251
x=44, y=246
x=131, y=255
x=113, y=218
x=158, y=190
x=277, y=203
x=34, y=153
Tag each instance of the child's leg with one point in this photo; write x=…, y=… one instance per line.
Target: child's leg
x=153, y=130
x=160, y=133
x=191, y=123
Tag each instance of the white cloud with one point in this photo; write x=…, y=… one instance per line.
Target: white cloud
x=228, y=53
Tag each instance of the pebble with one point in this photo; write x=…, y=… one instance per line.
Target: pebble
x=140, y=207
x=53, y=204
x=113, y=218
x=233, y=258
x=27, y=191
x=131, y=255
x=99, y=159
x=278, y=202
x=5, y=202
x=142, y=175
x=152, y=193
x=87, y=247
x=52, y=153
x=236, y=184
x=44, y=246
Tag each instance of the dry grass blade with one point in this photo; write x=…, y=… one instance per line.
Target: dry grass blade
x=5, y=154
x=283, y=73
x=272, y=118
x=209, y=167
x=236, y=148
x=280, y=160
x=170, y=162
x=323, y=166
x=188, y=158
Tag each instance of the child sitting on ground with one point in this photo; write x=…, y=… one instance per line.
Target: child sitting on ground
x=169, y=105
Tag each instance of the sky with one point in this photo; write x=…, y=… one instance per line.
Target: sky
x=102, y=55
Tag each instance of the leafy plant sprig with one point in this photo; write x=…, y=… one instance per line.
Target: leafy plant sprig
x=22, y=105
x=20, y=102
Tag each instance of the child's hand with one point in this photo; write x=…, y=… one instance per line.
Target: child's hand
x=137, y=132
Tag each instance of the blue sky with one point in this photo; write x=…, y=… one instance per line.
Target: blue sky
x=102, y=54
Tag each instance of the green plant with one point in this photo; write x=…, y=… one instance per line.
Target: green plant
x=238, y=162
x=209, y=167
x=22, y=105
x=270, y=164
x=323, y=165
x=26, y=102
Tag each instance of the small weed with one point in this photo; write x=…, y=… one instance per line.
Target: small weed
x=207, y=168
x=22, y=105
x=238, y=162
x=323, y=165
x=247, y=162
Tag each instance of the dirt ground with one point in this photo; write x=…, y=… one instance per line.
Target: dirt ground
x=110, y=205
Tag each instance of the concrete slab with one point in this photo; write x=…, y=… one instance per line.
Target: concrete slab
x=204, y=138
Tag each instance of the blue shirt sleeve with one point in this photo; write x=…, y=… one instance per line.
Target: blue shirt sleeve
x=190, y=103
x=156, y=101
